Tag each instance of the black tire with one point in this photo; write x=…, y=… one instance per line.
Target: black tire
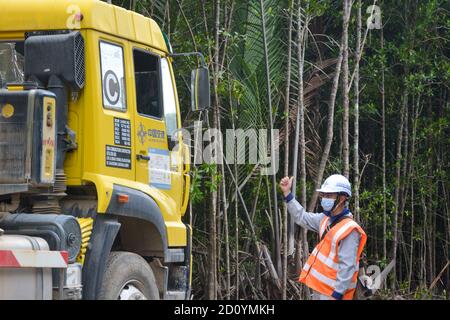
x=126, y=267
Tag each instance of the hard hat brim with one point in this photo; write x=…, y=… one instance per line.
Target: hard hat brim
x=327, y=190
x=331, y=190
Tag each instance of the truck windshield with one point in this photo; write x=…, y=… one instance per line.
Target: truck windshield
x=11, y=62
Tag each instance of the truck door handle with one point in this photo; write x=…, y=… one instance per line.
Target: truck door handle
x=142, y=157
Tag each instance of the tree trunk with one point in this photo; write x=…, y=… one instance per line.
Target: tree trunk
x=383, y=147
x=398, y=183
x=272, y=140
x=330, y=120
x=356, y=134
x=346, y=101
x=302, y=27
x=301, y=58
x=411, y=242
x=225, y=215
x=287, y=242
x=236, y=219
x=236, y=235
x=212, y=283
x=424, y=242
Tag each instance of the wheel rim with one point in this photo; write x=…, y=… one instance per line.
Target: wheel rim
x=131, y=291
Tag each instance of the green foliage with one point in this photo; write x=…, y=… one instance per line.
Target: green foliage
x=371, y=203
x=205, y=179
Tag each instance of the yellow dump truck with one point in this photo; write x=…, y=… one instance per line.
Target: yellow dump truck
x=94, y=175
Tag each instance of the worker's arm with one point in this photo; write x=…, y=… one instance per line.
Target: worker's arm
x=308, y=220
x=347, y=266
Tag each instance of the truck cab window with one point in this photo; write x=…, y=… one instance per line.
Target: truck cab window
x=11, y=62
x=148, y=92
x=170, y=108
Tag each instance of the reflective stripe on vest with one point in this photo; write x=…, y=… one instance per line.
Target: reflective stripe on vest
x=334, y=243
x=320, y=271
x=328, y=281
x=324, y=259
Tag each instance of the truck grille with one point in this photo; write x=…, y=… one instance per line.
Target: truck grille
x=12, y=152
x=13, y=141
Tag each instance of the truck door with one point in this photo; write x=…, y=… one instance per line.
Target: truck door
x=157, y=161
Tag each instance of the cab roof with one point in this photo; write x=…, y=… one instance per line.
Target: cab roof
x=19, y=16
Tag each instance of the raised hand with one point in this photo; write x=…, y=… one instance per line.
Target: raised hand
x=286, y=185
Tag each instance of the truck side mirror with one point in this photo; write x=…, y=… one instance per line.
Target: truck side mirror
x=200, y=91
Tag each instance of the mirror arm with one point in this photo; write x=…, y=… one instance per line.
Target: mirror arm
x=188, y=54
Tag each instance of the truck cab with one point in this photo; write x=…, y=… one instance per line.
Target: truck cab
x=92, y=161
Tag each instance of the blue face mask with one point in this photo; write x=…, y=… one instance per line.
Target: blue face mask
x=327, y=204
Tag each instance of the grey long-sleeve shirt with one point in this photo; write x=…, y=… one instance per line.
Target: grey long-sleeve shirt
x=347, y=249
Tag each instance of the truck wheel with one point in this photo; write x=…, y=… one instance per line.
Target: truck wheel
x=128, y=277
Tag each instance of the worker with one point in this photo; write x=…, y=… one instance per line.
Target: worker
x=331, y=270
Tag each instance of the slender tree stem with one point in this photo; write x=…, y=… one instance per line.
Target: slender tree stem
x=272, y=140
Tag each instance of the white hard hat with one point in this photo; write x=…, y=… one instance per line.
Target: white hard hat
x=336, y=183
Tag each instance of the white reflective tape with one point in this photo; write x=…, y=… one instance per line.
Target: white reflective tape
x=328, y=281
x=322, y=278
x=329, y=263
x=324, y=259
x=39, y=259
x=338, y=234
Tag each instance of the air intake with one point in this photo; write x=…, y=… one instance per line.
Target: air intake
x=60, y=55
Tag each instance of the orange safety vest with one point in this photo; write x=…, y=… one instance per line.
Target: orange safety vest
x=320, y=270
